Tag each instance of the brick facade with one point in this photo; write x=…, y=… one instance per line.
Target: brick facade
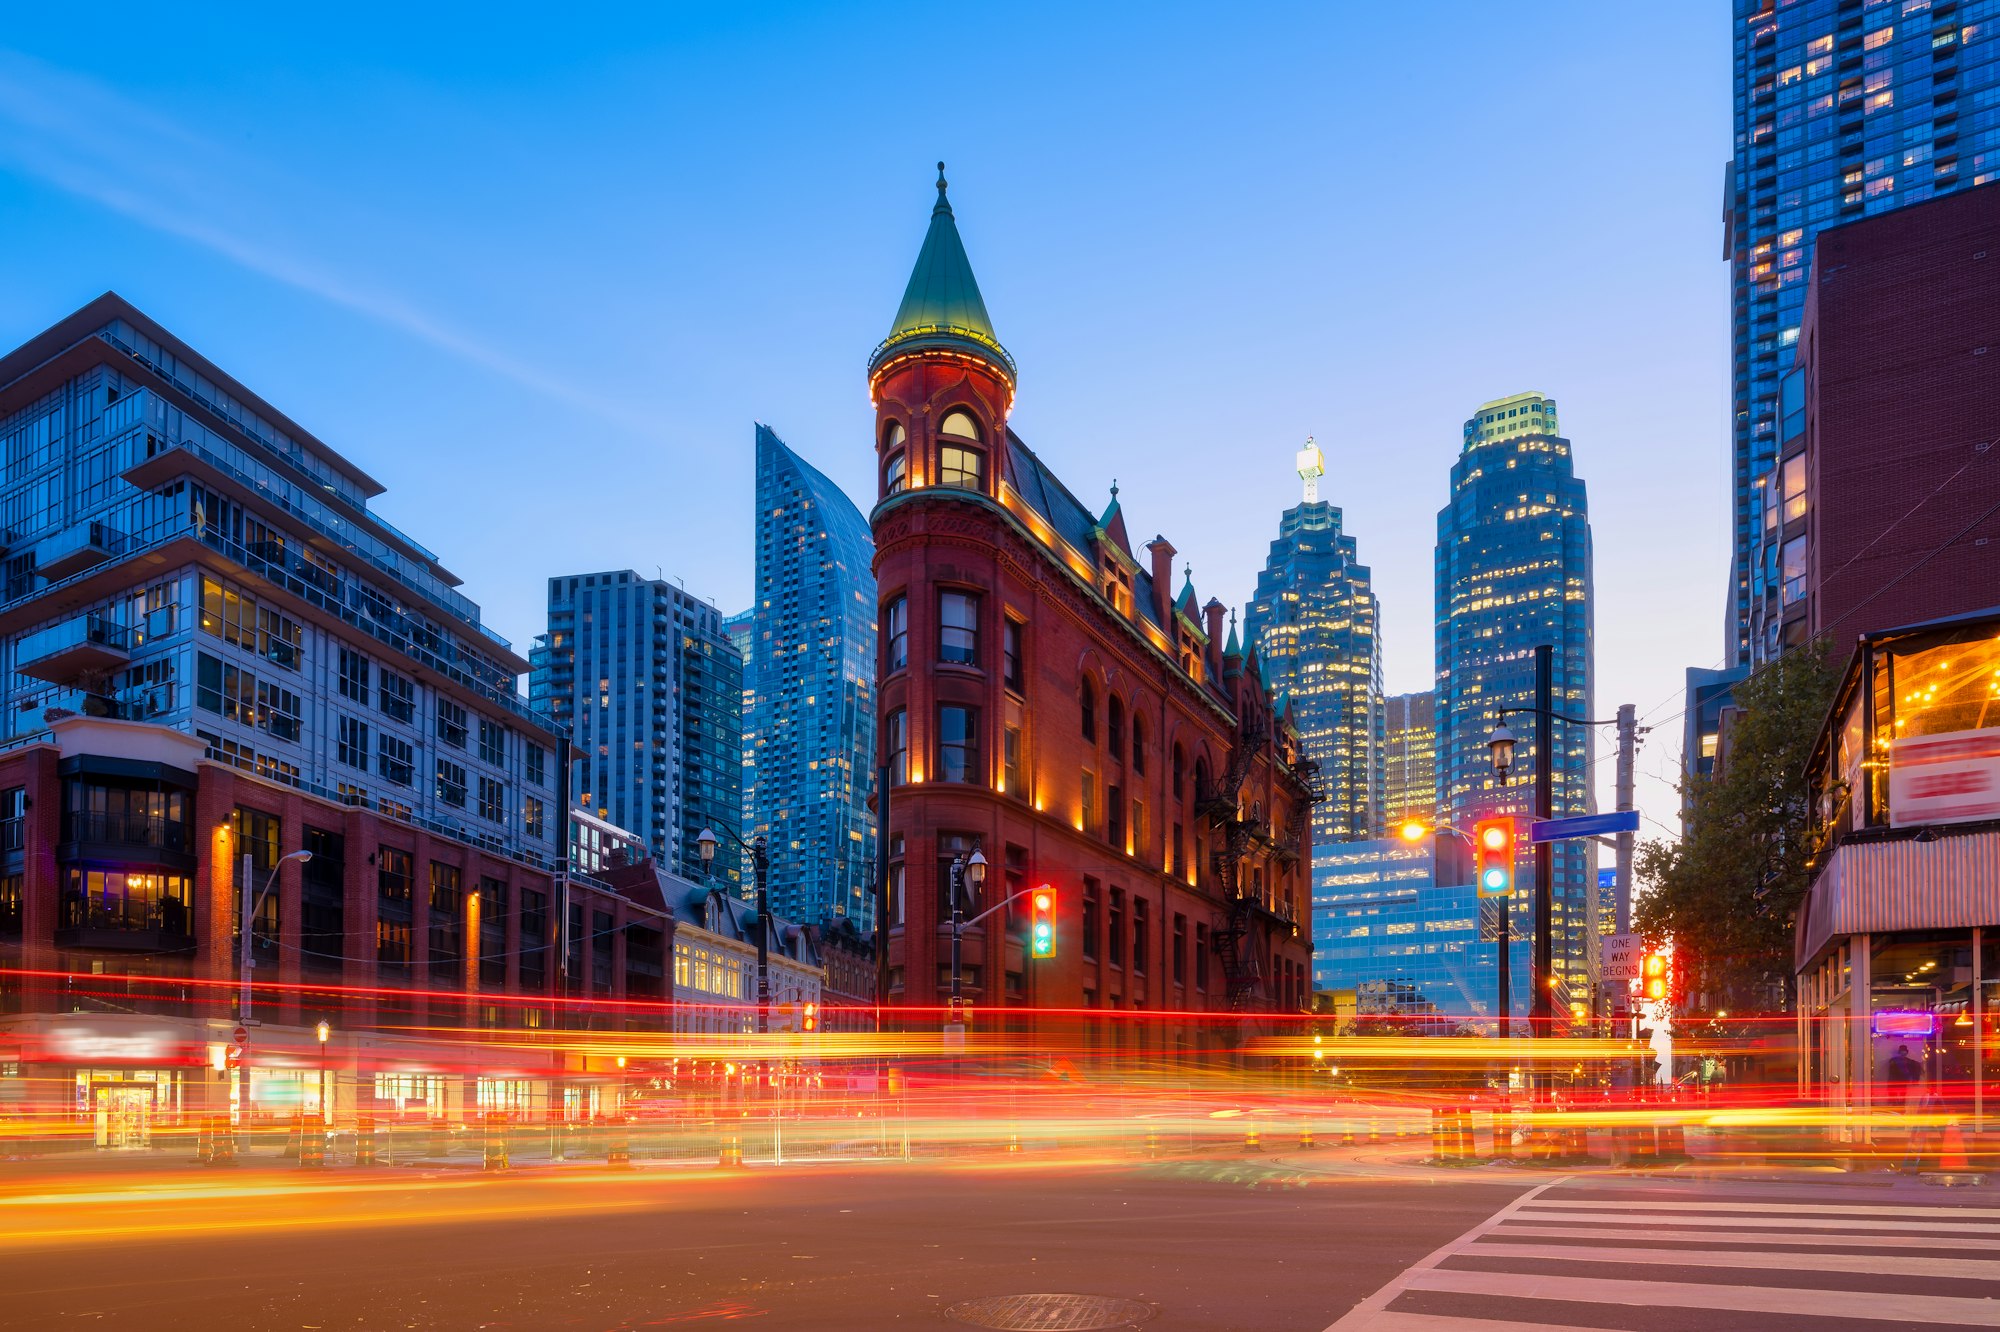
x=1900, y=350
x=1045, y=698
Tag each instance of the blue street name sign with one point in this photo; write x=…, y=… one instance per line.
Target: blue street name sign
x=1584, y=825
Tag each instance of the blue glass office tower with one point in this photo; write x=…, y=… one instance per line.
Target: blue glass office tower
x=1513, y=572
x=1313, y=622
x=1384, y=927
x=809, y=693
x=651, y=690
x=1844, y=108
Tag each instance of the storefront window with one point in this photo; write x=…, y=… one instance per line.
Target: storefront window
x=1920, y=987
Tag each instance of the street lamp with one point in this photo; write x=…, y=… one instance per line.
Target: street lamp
x=1501, y=745
x=250, y=905
x=705, y=842
x=965, y=874
x=323, y=1031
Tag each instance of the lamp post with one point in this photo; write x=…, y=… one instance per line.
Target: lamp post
x=250, y=905
x=323, y=1031
x=706, y=841
x=964, y=874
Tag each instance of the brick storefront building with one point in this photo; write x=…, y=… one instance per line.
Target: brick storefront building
x=1888, y=491
x=1047, y=699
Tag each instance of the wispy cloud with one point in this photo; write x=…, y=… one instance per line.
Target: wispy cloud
x=81, y=137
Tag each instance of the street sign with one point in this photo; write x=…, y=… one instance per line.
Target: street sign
x=1584, y=825
x=242, y=1036
x=1621, y=954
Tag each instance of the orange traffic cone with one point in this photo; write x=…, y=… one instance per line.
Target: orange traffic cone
x=1952, y=1155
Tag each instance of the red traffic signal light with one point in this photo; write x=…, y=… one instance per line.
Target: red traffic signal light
x=1493, y=857
x=1042, y=922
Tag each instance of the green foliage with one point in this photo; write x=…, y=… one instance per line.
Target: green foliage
x=1729, y=891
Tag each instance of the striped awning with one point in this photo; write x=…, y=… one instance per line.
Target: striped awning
x=1872, y=887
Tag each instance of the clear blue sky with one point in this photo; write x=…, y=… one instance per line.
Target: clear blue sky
x=540, y=276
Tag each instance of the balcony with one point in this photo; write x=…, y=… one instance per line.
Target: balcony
x=79, y=548
x=125, y=924
x=126, y=831
x=87, y=645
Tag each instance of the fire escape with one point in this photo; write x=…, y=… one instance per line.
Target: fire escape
x=1242, y=968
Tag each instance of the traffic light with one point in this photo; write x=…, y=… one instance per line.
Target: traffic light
x=1493, y=857
x=811, y=1020
x=1042, y=922
x=1656, y=976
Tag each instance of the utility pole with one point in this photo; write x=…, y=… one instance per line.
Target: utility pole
x=1628, y=746
x=1541, y=1009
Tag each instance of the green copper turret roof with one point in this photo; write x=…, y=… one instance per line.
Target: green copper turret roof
x=942, y=306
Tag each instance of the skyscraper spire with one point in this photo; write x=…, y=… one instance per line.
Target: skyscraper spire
x=1312, y=466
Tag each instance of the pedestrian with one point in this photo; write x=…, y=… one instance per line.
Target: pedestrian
x=1906, y=1081
x=1906, y=1076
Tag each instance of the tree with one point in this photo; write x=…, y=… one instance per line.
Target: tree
x=1728, y=892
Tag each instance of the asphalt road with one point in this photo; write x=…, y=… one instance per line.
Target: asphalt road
x=1205, y=1245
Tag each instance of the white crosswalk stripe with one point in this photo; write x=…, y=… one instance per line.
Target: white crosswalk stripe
x=1621, y=1255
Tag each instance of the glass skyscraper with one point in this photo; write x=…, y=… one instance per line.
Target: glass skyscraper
x=651, y=690
x=809, y=691
x=1513, y=572
x=1842, y=110
x=1313, y=623
x=1409, y=759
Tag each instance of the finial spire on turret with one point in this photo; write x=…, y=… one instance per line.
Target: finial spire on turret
x=1312, y=466
x=942, y=308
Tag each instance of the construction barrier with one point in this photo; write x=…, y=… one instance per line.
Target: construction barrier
x=312, y=1142
x=1305, y=1136
x=1346, y=1135
x=619, y=1153
x=1673, y=1141
x=1374, y=1130
x=496, y=1156
x=204, y=1142
x=364, y=1140
x=1253, y=1141
x=1152, y=1142
x=222, y=1140
x=732, y=1150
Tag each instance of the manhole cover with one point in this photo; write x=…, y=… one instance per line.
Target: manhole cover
x=1072, y=1313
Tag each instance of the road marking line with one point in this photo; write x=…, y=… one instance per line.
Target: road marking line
x=1394, y=1320
x=1816, y=1209
x=1892, y=1264
x=1364, y=1315
x=1623, y=1237
x=1884, y=1305
x=1775, y=1222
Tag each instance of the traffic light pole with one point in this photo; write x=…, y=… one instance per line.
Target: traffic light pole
x=958, y=928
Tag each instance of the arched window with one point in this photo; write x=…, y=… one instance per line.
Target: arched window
x=892, y=436
x=1180, y=770
x=1114, y=728
x=896, y=473
x=1200, y=777
x=1138, y=744
x=960, y=424
x=1087, y=699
